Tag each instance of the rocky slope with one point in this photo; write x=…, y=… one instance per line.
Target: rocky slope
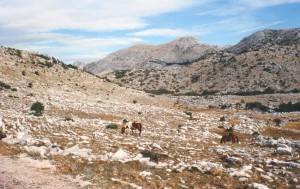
x=181, y=51
x=179, y=147
x=265, y=62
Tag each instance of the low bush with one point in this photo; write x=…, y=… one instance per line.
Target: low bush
x=112, y=126
x=289, y=107
x=4, y=85
x=256, y=106
x=37, y=108
x=120, y=73
x=148, y=154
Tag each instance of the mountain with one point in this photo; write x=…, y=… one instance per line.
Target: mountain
x=79, y=64
x=266, y=38
x=267, y=61
x=77, y=131
x=181, y=51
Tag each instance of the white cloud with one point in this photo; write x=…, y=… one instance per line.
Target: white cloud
x=33, y=24
x=90, y=15
x=265, y=3
x=165, y=32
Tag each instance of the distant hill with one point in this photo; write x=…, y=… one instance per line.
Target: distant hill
x=181, y=51
x=267, y=61
x=79, y=64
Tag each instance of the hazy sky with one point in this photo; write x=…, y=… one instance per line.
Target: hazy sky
x=87, y=30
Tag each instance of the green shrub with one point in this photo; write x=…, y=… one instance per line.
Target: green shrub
x=36, y=73
x=120, y=73
x=23, y=73
x=134, y=101
x=112, y=126
x=37, y=108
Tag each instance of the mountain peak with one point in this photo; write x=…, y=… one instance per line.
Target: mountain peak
x=187, y=40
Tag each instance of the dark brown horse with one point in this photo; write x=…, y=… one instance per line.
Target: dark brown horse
x=229, y=138
x=136, y=126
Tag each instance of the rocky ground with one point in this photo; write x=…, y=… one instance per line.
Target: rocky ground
x=74, y=143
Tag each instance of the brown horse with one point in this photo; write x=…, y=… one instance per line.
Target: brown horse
x=229, y=138
x=133, y=126
x=136, y=126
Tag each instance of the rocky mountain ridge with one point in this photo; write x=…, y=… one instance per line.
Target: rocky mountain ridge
x=265, y=62
x=181, y=51
x=265, y=39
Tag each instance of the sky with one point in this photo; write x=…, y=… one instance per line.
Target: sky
x=88, y=30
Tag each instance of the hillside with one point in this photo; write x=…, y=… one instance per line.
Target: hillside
x=76, y=141
x=181, y=51
x=265, y=62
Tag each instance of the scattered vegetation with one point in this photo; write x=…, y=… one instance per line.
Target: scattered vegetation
x=277, y=121
x=37, y=108
x=72, y=66
x=256, y=106
x=4, y=85
x=207, y=93
x=134, y=101
x=159, y=92
x=120, y=73
x=69, y=119
x=289, y=107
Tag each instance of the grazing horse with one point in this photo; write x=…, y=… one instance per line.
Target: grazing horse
x=229, y=138
x=136, y=126
x=133, y=126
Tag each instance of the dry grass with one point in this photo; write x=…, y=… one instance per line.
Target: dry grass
x=293, y=125
x=55, y=111
x=9, y=150
x=277, y=133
